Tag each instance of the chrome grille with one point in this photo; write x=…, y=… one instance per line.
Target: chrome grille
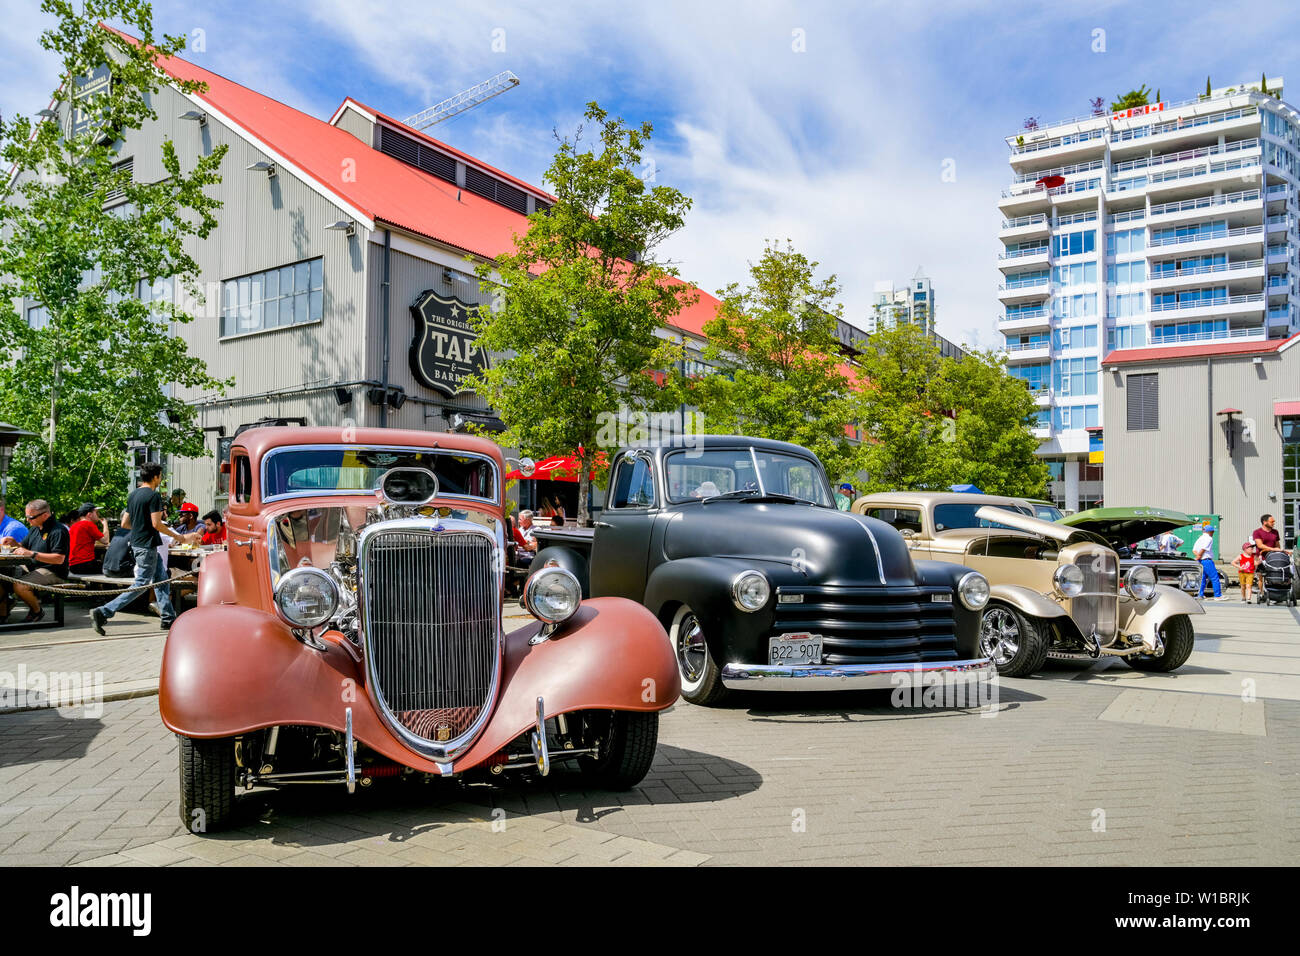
x=431, y=627
x=1097, y=606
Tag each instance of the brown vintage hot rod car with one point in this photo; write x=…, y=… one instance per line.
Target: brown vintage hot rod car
x=352, y=631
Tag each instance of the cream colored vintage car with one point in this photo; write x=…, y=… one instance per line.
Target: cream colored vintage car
x=1056, y=591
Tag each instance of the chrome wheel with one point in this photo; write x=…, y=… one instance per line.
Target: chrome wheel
x=692, y=652
x=1000, y=636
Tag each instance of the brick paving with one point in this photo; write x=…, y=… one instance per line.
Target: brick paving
x=1082, y=765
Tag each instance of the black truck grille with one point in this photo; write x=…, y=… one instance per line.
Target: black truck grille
x=873, y=625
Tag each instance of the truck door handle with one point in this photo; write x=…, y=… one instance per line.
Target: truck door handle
x=602, y=524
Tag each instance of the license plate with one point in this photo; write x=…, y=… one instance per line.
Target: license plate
x=795, y=649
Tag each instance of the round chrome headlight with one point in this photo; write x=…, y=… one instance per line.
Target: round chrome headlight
x=1068, y=580
x=750, y=590
x=306, y=597
x=1140, y=582
x=552, y=595
x=973, y=589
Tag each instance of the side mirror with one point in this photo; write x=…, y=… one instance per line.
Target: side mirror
x=526, y=466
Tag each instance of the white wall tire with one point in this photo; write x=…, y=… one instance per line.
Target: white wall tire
x=700, y=675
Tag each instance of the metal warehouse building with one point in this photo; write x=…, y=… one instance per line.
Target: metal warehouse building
x=336, y=281
x=1211, y=429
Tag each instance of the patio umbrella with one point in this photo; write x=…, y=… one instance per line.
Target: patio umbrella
x=558, y=468
x=966, y=489
x=1050, y=182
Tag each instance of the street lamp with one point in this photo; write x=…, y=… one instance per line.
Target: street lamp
x=346, y=226
x=10, y=435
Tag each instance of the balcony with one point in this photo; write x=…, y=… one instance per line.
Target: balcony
x=1030, y=352
x=1246, y=333
x=1019, y=258
x=1069, y=146
x=1278, y=316
x=1201, y=241
x=1251, y=303
x=1188, y=209
x=1014, y=291
x=1198, y=178
x=1165, y=159
x=1245, y=118
x=1278, y=254
x=1025, y=321
x=1249, y=270
x=1025, y=227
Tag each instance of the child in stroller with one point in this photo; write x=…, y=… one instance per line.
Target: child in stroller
x=1277, y=579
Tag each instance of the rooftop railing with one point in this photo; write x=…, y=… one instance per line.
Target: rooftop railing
x=1177, y=126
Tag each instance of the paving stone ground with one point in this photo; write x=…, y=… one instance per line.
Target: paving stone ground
x=1096, y=764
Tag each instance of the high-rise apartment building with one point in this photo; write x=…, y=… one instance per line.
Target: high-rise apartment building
x=912, y=302
x=1169, y=224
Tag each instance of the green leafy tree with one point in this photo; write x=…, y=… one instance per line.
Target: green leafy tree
x=934, y=421
x=991, y=445
x=903, y=410
x=582, y=296
x=782, y=374
x=100, y=370
x=1138, y=97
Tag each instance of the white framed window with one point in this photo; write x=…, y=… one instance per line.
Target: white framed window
x=276, y=298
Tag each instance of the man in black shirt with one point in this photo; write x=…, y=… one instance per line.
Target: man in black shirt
x=47, y=546
x=146, y=512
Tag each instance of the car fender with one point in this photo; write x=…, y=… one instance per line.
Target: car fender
x=1145, y=618
x=1026, y=600
x=612, y=655
x=229, y=670
x=705, y=585
x=215, y=585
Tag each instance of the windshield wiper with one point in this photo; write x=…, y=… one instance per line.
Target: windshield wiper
x=753, y=494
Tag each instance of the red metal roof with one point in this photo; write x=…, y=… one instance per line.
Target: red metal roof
x=1166, y=352
x=379, y=187
x=1283, y=409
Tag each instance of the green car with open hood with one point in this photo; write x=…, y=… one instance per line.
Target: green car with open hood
x=1124, y=529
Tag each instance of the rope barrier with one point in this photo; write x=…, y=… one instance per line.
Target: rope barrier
x=56, y=589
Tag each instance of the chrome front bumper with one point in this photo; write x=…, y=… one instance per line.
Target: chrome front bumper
x=815, y=677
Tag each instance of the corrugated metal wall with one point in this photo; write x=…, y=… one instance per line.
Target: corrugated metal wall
x=1170, y=466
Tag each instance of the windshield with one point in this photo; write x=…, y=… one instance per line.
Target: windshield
x=1047, y=512
x=950, y=516
x=352, y=470
x=706, y=474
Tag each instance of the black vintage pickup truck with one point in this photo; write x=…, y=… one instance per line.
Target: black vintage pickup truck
x=736, y=545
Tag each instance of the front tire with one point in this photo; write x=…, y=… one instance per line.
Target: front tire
x=627, y=750
x=1015, y=642
x=207, y=783
x=700, y=675
x=1179, y=637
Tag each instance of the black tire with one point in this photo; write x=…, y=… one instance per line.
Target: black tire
x=626, y=752
x=1179, y=636
x=700, y=675
x=207, y=783
x=1030, y=635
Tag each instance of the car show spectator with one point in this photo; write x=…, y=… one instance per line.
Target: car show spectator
x=1203, y=551
x=46, y=545
x=1245, y=565
x=844, y=497
x=524, y=531
x=84, y=532
x=188, y=521
x=1266, y=537
x=145, y=515
x=11, y=527
x=1168, y=543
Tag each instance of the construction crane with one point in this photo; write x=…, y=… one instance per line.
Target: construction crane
x=464, y=100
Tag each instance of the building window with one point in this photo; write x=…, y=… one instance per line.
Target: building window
x=1074, y=243
x=290, y=295
x=1143, y=402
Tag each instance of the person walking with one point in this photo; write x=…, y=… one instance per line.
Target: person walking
x=147, y=513
x=1266, y=537
x=844, y=497
x=1203, y=551
x=1245, y=565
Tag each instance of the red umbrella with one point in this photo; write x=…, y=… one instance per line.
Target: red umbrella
x=559, y=468
x=1051, y=182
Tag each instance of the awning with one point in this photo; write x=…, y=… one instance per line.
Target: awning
x=557, y=468
x=1287, y=408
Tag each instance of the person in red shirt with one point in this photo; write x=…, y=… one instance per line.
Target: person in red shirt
x=83, y=534
x=1245, y=565
x=1266, y=537
x=212, y=532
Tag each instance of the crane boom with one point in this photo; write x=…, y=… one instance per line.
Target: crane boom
x=464, y=100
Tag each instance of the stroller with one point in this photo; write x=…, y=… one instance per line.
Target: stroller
x=1278, y=579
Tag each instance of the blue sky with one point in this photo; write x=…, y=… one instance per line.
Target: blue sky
x=819, y=122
